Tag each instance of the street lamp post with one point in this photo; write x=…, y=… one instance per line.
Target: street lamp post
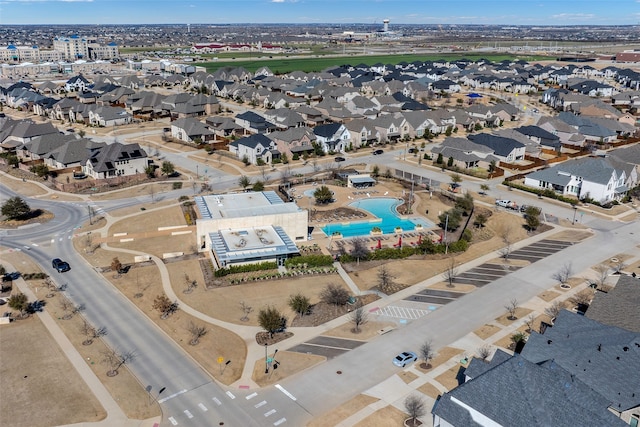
x=266, y=359
x=575, y=209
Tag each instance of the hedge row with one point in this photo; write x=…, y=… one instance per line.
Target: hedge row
x=425, y=248
x=245, y=268
x=542, y=192
x=312, y=260
x=277, y=275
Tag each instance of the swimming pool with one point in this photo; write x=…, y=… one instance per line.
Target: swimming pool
x=384, y=208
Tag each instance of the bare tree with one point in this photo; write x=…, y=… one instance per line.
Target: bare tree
x=554, y=309
x=415, y=407
x=246, y=310
x=427, y=353
x=583, y=297
x=385, y=280
x=506, y=234
x=484, y=352
x=197, y=332
x=618, y=266
x=152, y=193
x=334, y=294
x=359, y=248
x=91, y=332
x=529, y=322
x=116, y=359
x=190, y=284
x=165, y=306
x=67, y=308
x=512, y=307
x=451, y=272
x=358, y=317
x=564, y=273
x=602, y=271
x=116, y=267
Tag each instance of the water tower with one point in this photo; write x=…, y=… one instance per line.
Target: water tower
x=386, y=25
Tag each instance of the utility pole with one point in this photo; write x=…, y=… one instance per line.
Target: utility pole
x=446, y=225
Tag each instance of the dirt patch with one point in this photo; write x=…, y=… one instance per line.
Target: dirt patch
x=506, y=343
x=159, y=245
x=519, y=314
x=486, y=331
x=34, y=369
x=151, y=221
x=367, y=331
x=548, y=295
x=148, y=189
x=289, y=363
x=571, y=235
x=449, y=378
x=407, y=376
x=457, y=287
x=343, y=411
x=322, y=312
x=429, y=390
x=442, y=356
x=24, y=188
x=388, y=416
x=571, y=283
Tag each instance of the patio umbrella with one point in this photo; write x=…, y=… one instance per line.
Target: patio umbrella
x=379, y=246
x=400, y=242
x=419, y=238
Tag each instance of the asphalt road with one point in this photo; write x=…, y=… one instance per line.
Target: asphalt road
x=192, y=398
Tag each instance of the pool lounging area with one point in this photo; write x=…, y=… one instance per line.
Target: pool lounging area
x=384, y=208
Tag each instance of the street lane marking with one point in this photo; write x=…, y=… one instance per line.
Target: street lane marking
x=291, y=396
x=188, y=414
x=172, y=396
x=216, y=400
x=280, y=421
x=230, y=395
x=257, y=405
x=35, y=244
x=173, y=421
x=271, y=412
x=201, y=406
x=252, y=395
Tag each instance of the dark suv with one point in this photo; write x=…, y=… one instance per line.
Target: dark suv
x=60, y=265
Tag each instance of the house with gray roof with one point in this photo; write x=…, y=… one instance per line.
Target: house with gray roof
x=540, y=136
x=254, y=148
x=465, y=153
x=605, y=358
x=332, y=137
x=73, y=153
x=191, y=131
x=613, y=307
x=114, y=160
x=506, y=149
x=106, y=116
x=520, y=393
x=586, y=178
x=295, y=140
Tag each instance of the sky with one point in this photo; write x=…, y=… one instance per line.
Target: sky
x=499, y=12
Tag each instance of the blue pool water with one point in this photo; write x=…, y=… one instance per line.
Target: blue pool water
x=384, y=208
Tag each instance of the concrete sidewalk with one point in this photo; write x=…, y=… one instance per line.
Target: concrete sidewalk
x=115, y=415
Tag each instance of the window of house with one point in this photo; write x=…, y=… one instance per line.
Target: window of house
x=635, y=419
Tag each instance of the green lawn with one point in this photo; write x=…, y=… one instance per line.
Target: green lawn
x=285, y=65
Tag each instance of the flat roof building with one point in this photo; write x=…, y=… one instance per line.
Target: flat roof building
x=249, y=227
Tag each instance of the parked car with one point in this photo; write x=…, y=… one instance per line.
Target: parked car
x=413, y=150
x=60, y=265
x=378, y=152
x=507, y=204
x=340, y=159
x=404, y=358
x=10, y=277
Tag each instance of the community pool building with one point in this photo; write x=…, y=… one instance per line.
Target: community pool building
x=249, y=227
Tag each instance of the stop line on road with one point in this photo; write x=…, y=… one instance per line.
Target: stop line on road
x=399, y=312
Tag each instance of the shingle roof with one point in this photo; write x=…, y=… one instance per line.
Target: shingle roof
x=519, y=393
x=613, y=308
x=606, y=358
x=501, y=146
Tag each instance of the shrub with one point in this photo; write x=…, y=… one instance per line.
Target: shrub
x=177, y=185
x=232, y=269
x=312, y=260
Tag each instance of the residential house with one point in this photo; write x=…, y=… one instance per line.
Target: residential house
x=506, y=149
x=362, y=132
x=519, y=393
x=284, y=118
x=332, y=137
x=76, y=84
x=587, y=178
x=255, y=123
x=14, y=133
x=294, y=141
x=465, y=153
x=37, y=148
x=613, y=307
x=602, y=357
x=105, y=116
x=312, y=116
x=115, y=160
x=591, y=130
x=225, y=127
x=568, y=135
x=540, y=136
x=72, y=154
x=254, y=149
x=391, y=127
x=191, y=131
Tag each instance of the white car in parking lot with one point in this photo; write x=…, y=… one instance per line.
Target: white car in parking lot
x=507, y=204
